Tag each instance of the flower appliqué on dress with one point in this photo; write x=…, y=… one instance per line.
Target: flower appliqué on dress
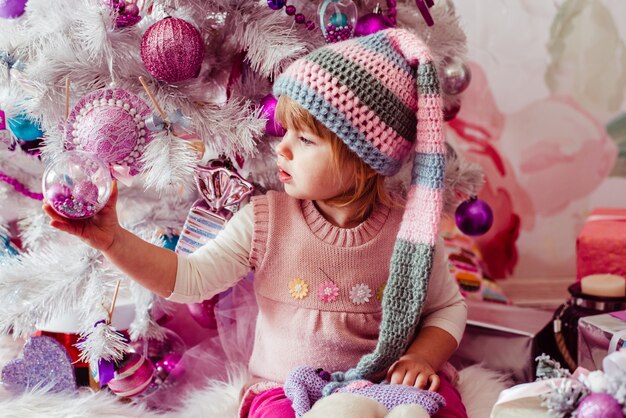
x=328, y=292
x=298, y=288
x=380, y=292
x=360, y=294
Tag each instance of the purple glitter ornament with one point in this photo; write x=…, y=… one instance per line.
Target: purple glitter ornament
x=45, y=363
x=172, y=50
x=599, y=405
x=10, y=9
x=474, y=217
x=371, y=23
x=275, y=4
x=272, y=127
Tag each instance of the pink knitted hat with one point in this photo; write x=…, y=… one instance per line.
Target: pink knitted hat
x=380, y=94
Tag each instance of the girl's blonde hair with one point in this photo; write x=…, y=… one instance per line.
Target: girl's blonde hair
x=369, y=186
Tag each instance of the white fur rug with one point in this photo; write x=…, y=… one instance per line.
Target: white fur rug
x=479, y=388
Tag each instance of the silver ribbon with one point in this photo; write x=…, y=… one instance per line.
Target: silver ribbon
x=176, y=119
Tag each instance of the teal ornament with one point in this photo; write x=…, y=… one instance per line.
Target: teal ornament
x=169, y=241
x=339, y=19
x=25, y=128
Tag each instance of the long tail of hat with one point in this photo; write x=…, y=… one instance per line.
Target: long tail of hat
x=412, y=258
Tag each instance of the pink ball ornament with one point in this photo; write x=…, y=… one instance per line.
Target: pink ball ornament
x=371, y=23
x=599, y=405
x=134, y=376
x=172, y=50
x=77, y=185
x=164, y=354
x=204, y=312
x=272, y=127
x=10, y=9
x=109, y=124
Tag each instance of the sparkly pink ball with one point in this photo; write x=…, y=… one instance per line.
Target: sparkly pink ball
x=172, y=50
x=110, y=133
x=86, y=191
x=599, y=405
x=58, y=193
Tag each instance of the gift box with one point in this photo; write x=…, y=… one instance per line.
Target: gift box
x=505, y=338
x=598, y=336
x=601, y=245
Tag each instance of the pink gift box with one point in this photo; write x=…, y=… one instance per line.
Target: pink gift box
x=598, y=336
x=505, y=338
x=601, y=245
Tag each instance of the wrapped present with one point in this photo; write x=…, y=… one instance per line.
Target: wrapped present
x=505, y=338
x=201, y=226
x=601, y=245
x=599, y=335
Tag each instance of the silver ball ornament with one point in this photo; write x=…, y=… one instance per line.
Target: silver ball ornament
x=455, y=76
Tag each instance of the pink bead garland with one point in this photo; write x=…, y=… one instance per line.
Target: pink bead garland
x=20, y=187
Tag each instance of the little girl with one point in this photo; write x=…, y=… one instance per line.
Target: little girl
x=345, y=279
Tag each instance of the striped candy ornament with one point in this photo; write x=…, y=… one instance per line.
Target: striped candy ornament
x=133, y=377
x=380, y=95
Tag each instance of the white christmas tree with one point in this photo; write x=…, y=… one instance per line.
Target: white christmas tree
x=202, y=104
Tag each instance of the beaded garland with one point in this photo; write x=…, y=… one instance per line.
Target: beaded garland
x=19, y=186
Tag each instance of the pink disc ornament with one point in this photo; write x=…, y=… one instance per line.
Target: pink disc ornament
x=172, y=50
x=77, y=185
x=135, y=376
x=109, y=124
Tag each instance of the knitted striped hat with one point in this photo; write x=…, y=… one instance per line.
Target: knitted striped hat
x=380, y=95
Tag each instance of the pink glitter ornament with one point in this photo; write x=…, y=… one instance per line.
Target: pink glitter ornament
x=172, y=50
x=109, y=124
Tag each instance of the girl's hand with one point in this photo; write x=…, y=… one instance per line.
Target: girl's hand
x=411, y=370
x=98, y=232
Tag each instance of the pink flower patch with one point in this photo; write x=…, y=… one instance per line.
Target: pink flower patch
x=328, y=292
x=360, y=294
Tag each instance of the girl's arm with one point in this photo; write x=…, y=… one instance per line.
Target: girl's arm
x=442, y=325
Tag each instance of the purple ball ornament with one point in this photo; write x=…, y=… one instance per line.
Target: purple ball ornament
x=272, y=127
x=474, y=217
x=11, y=9
x=371, y=23
x=599, y=405
x=77, y=185
x=275, y=4
x=172, y=50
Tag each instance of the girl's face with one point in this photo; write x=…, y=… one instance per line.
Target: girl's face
x=305, y=167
